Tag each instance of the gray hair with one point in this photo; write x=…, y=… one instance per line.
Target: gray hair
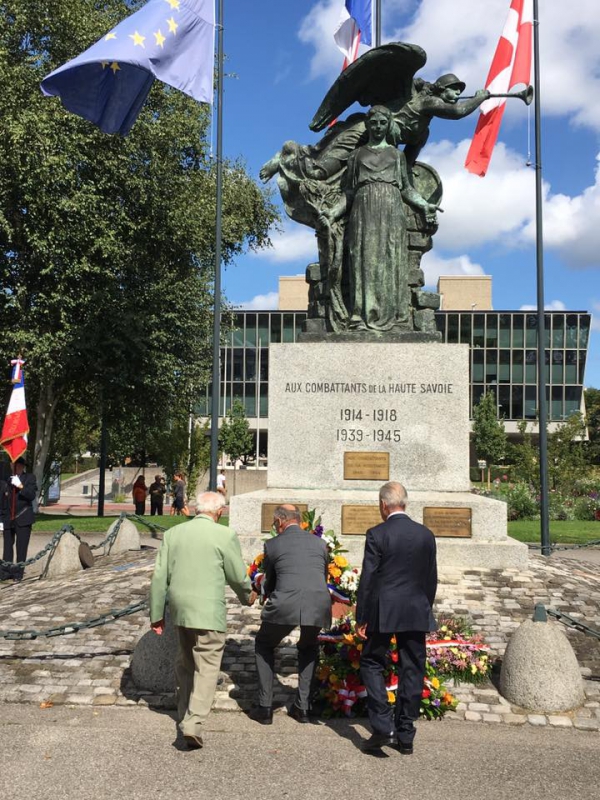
x=287, y=514
x=393, y=494
x=209, y=503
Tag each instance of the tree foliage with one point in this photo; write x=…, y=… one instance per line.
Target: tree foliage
x=567, y=457
x=489, y=435
x=107, y=243
x=235, y=437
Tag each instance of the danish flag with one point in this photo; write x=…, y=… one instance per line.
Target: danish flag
x=13, y=438
x=354, y=27
x=511, y=66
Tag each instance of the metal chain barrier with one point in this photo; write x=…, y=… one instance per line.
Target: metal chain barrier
x=50, y=546
x=75, y=627
x=593, y=543
x=571, y=622
x=154, y=527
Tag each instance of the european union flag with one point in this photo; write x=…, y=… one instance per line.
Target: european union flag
x=171, y=40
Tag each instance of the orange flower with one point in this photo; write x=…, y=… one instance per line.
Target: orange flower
x=391, y=697
x=334, y=571
x=304, y=526
x=259, y=559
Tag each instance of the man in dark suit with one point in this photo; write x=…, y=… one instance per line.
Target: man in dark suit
x=397, y=588
x=295, y=583
x=19, y=492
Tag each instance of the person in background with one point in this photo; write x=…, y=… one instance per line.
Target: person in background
x=193, y=565
x=16, y=516
x=139, y=493
x=157, y=495
x=179, y=506
x=222, y=483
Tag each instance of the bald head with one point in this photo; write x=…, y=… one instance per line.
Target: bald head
x=286, y=515
x=392, y=497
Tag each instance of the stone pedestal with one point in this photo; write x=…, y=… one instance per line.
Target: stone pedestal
x=344, y=418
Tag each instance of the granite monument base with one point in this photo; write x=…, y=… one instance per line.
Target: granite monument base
x=487, y=547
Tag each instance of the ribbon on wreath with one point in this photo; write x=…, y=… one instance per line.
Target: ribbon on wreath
x=338, y=594
x=349, y=695
x=457, y=643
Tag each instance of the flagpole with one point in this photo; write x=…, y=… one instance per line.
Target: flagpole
x=377, y=23
x=216, y=365
x=541, y=321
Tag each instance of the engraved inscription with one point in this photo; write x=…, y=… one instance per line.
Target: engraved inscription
x=267, y=511
x=448, y=522
x=366, y=466
x=356, y=520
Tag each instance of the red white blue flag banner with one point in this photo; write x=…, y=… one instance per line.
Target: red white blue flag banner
x=13, y=438
x=511, y=66
x=354, y=27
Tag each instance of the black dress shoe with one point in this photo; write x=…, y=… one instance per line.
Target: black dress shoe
x=262, y=714
x=298, y=714
x=379, y=740
x=405, y=749
x=193, y=742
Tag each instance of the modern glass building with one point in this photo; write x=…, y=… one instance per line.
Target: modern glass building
x=503, y=356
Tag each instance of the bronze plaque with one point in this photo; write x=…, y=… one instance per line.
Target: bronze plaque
x=358, y=519
x=267, y=511
x=366, y=467
x=448, y=522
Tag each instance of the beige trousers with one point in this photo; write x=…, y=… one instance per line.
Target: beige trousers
x=196, y=673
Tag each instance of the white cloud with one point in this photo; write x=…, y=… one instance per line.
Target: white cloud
x=294, y=243
x=553, y=305
x=262, y=302
x=434, y=265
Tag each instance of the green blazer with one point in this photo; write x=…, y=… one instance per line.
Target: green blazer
x=195, y=561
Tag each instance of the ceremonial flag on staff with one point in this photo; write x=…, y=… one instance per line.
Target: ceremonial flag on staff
x=511, y=66
x=354, y=27
x=13, y=438
x=168, y=40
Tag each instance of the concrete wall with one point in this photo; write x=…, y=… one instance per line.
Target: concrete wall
x=465, y=292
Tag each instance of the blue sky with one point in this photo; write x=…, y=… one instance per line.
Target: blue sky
x=282, y=59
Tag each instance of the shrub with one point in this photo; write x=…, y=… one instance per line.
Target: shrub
x=559, y=507
x=584, y=508
x=522, y=503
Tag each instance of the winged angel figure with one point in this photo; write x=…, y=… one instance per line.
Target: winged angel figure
x=318, y=191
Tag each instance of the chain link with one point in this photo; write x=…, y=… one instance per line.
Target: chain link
x=571, y=622
x=75, y=627
x=154, y=527
x=593, y=543
x=50, y=546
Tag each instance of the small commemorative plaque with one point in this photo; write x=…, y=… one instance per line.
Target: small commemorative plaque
x=358, y=519
x=366, y=466
x=267, y=511
x=448, y=522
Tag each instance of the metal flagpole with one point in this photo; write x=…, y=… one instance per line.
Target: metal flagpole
x=541, y=321
x=377, y=23
x=216, y=366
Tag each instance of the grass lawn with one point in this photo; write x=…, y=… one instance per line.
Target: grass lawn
x=50, y=523
x=575, y=532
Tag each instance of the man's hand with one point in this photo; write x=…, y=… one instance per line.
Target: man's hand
x=361, y=631
x=158, y=627
x=252, y=598
x=16, y=482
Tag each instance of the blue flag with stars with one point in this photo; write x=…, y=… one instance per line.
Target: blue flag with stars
x=168, y=40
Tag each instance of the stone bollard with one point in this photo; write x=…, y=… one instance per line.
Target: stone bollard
x=128, y=537
x=153, y=660
x=540, y=670
x=64, y=559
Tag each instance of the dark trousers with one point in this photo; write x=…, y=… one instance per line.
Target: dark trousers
x=411, y=672
x=22, y=534
x=156, y=506
x=140, y=507
x=267, y=639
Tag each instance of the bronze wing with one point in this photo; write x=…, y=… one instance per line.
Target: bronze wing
x=380, y=76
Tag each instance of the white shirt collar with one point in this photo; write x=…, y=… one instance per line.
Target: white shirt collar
x=397, y=514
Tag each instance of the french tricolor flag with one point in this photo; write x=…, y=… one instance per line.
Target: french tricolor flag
x=354, y=27
x=13, y=438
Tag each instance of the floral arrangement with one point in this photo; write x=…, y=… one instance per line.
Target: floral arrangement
x=458, y=653
x=340, y=687
x=342, y=579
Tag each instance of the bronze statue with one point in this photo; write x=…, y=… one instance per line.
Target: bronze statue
x=361, y=194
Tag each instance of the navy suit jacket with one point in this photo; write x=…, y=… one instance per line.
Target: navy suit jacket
x=398, y=581
x=22, y=498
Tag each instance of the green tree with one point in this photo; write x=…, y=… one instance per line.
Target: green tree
x=567, y=456
x=489, y=435
x=525, y=458
x=235, y=437
x=592, y=419
x=107, y=243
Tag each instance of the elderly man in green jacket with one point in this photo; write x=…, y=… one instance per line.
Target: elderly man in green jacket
x=195, y=561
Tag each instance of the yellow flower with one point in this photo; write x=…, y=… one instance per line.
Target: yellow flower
x=359, y=647
x=435, y=683
x=444, y=628
x=349, y=638
x=340, y=561
x=473, y=669
x=355, y=664
x=391, y=697
x=333, y=679
x=259, y=558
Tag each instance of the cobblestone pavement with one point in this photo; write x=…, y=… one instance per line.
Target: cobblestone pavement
x=91, y=667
